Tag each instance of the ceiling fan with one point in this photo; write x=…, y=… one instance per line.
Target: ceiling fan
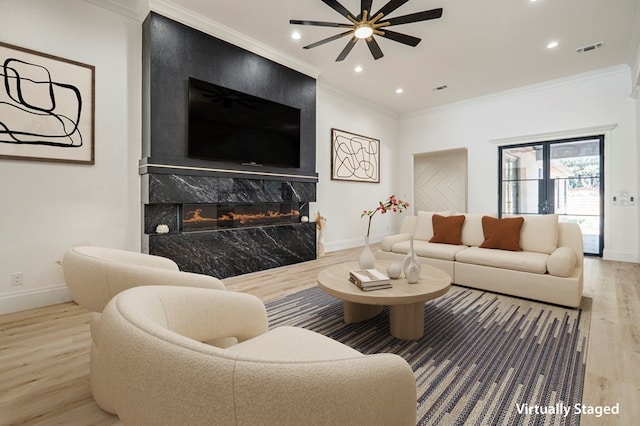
x=365, y=25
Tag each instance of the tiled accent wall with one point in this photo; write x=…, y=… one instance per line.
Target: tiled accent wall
x=226, y=253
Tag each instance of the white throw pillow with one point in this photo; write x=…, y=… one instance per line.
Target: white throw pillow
x=472, y=232
x=424, y=224
x=539, y=233
x=562, y=262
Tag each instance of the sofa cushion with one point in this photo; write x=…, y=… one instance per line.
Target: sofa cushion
x=516, y=260
x=503, y=234
x=539, y=233
x=287, y=344
x=424, y=224
x=426, y=249
x=447, y=229
x=472, y=234
x=408, y=225
x=387, y=242
x=562, y=262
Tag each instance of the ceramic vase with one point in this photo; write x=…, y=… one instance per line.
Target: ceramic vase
x=367, y=260
x=411, y=265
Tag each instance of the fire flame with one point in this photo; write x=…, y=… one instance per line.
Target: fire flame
x=242, y=218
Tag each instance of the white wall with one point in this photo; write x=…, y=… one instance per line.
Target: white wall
x=48, y=207
x=637, y=106
x=587, y=101
x=342, y=202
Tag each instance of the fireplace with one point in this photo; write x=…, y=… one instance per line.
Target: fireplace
x=225, y=226
x=211, y=217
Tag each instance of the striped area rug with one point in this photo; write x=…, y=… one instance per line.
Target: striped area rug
x=485, y=359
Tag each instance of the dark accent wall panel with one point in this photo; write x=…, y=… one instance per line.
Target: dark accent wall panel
x=180, y=189
x=174, y=52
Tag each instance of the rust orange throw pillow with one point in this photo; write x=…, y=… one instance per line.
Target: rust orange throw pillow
x=447, y=229
x=502, y=233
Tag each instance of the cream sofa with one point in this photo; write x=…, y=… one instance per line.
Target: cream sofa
x=158, y=371
x=549, y=269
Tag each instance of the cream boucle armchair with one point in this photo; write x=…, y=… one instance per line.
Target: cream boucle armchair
x=158, y=371
x=95, y=274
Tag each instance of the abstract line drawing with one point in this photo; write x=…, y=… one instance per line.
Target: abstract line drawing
x=46, y=107
x=354, y=157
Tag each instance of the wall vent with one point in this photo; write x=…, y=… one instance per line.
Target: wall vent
x=589, y=48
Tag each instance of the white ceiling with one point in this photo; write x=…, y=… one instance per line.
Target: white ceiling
x=477, y=47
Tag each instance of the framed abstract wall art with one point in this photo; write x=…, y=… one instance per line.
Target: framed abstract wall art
x=46, y=107
x=354, y=157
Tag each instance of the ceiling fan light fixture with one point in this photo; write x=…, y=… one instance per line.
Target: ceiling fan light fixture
x=364, y=26
x=363, y=31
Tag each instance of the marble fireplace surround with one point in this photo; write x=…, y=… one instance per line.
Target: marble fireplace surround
x=227, y=252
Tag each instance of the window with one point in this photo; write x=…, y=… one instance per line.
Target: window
x=564, y=177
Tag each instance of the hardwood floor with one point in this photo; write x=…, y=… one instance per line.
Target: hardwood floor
x=44, y=352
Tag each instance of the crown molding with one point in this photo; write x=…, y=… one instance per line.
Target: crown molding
x=356, y=100
x=134, y=9
x=218, y=30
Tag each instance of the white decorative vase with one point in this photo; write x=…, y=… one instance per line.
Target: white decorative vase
x=411, y=265
x=367, y=260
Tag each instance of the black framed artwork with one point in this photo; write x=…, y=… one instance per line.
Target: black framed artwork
x=354, y=157
x=47, y=107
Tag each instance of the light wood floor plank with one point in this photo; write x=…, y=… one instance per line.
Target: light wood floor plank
x=44, y=352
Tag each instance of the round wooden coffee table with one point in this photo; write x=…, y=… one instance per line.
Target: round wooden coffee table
x=405, y=301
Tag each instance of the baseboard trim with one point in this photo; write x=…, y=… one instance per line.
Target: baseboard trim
x=350, y=243
x=30, y=299
x=620, y=256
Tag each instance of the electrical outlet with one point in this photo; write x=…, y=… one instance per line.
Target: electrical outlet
x=16, y=278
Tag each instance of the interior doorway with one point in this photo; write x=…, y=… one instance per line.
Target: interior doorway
x=564, y=177
x=440, y=181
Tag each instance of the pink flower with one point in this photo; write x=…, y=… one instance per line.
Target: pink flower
x=391, y=204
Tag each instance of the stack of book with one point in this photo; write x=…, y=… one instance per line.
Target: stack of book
x=369, y=279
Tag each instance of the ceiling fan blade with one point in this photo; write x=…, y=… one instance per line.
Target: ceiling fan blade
x=390, y=7
x=347, y=49
x=335, y=5
x=374, y=48
x=327, y=40
x=416, y=17
x=401, y=38
x=365, y=5
x=319, y=23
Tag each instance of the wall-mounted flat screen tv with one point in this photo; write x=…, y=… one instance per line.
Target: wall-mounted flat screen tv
x=230, y=126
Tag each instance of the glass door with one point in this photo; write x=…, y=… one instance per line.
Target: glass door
x=564, y=177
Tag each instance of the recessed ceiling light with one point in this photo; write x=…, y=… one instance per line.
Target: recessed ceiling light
x=552, y=45
x=358, y=68
x=295, y=35
x=399, y=90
